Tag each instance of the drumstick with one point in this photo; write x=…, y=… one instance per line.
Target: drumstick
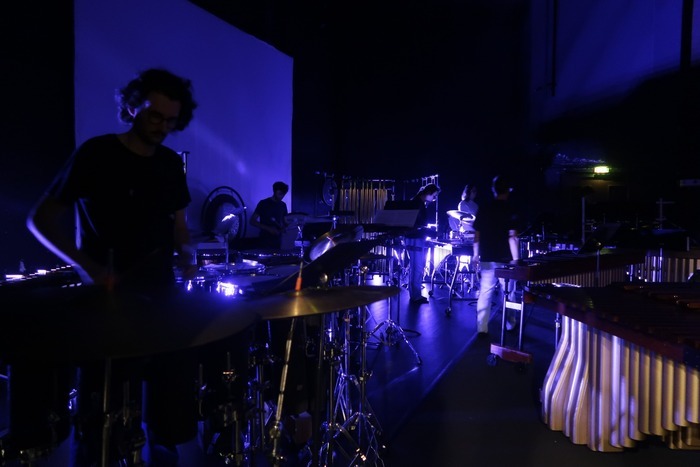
x=297, y=286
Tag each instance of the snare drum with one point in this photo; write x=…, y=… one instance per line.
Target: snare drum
x=273, y=257
x=205, y=279
x=241, y=284
x=214, y=277
x=240, y=267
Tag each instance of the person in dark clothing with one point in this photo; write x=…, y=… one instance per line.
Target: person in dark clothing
x=269, y=216
x=415, y=242
x=129, y=193
x=495, y=245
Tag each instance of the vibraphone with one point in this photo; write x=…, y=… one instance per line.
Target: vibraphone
x=667, y=266
x=626, y=366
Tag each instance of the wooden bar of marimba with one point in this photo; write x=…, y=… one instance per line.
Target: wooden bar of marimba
x=626, y=366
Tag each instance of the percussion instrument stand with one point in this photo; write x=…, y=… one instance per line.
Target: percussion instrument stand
x=459, y=265
x=341, y=409
x=393, y=329
x=256, y=426
x=361, y=422
x=107, y=418
x=230, y=414
x=300, y=239
x=516, y=355
x=276, y=430
x=331, y=426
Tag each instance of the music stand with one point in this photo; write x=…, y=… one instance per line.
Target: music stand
x=396, y=215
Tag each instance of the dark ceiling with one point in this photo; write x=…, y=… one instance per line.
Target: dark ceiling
x=276, y=22
x=287, y=24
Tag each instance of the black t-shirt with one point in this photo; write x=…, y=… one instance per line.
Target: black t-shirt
x=422, y=217
x=272, y=213
x=125, y=205
x=494, y=221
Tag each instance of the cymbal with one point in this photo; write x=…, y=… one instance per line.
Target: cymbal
x=88, y=323
x=330, y=239
x=316, y=301
x=461, y=215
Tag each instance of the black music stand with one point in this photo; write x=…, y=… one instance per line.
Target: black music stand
x=397, y=215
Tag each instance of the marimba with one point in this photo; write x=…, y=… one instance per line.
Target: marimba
x=627, y=364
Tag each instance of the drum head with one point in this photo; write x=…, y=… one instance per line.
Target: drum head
x=242, y=266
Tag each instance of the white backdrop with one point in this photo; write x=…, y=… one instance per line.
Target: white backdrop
x=241, y=132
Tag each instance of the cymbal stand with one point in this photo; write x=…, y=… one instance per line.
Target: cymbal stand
x=393, y=333
x=259, y=417
x=108, y=419
x=332, y=427
x=107, y=416
x=276, y=430
x=363, y=424
x=343, y=405
x=228, y=414
x=300, y=239
x=393, y=254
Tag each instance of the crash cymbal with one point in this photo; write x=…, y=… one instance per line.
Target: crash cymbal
x=87, y=323
x=461, y=215
x=316, y=301
x=330, y=239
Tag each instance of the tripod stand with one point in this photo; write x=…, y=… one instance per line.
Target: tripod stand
x=393, y=333
x=355, y=441
x=337, y=440
x=363, y=422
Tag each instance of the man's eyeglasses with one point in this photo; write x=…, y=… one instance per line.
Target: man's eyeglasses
x=157, y=118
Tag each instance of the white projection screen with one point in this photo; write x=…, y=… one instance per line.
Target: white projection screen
x=241, y=133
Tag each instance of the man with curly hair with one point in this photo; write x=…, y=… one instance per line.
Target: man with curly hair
x=128, y=194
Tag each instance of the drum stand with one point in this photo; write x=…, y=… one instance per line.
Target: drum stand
x=245, y=425
x=125, y=419
x=343, y=406
x=276, y=430
x=229, y=416
x=260, y=415
x=300, y=239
